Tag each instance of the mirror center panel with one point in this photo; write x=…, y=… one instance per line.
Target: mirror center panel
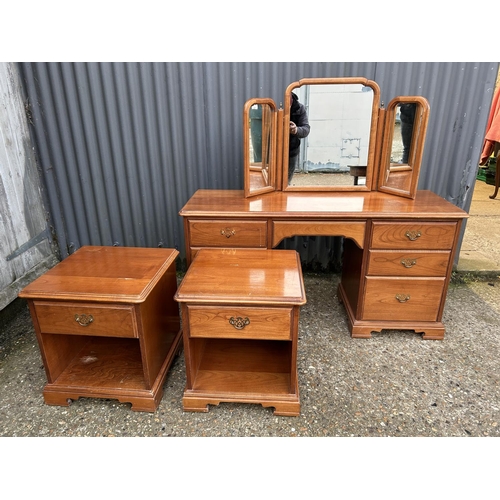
x=337, y=145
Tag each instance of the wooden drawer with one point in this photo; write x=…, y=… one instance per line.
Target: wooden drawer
x=228, y=233
x=403, y=299
x=387, y=263
x=86, y=319
x=269, y=323
x=403, y=235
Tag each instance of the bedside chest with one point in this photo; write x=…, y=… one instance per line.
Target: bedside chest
x=240, y=315
x=107, y=324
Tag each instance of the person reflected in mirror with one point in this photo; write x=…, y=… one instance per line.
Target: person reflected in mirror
x=256, y=131
x=299, y=128
x=407, y=117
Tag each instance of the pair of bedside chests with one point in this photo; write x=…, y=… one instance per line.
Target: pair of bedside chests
x=108, y=326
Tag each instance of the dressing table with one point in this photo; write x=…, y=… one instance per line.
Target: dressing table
x=399, y=242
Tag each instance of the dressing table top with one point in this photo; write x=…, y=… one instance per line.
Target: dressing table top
x=343, y=205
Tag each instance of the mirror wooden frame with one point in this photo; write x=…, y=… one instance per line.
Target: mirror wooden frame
x=255, y=183
x=371, y=160
x=402, y=178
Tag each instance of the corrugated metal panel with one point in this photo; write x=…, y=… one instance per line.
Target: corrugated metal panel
x=25, y=251
x=124, y=145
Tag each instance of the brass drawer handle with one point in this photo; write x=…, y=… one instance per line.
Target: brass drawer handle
x=239, y=323
x=409, y=262
x=401, y=297
x=413, y=235
x=84, y=319
x=228, y=232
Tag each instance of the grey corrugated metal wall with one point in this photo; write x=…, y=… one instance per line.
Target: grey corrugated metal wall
x=122, y=146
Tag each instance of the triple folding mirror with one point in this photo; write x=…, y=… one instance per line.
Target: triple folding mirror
x=332, y=135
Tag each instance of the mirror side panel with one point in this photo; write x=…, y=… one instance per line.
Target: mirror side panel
x=403, y=145
x=259, y=146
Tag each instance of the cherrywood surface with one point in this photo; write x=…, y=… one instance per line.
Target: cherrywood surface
x=402, y=179
x=411, y=263
x=362, y=329
x=386, y=294
x=435, y=235
x=281, y=204
x=244, y=371
x=261, y=178
x=264, y=322
x=106, y=364
x=421, y=298
x=109, y=321
x=126, y=349
x=255, y=361
x=243, y=276
x=231, y=232
x=349, y=229
x=104, y=273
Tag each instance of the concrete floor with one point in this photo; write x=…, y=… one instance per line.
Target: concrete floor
x=480, y=250
x=392, y=385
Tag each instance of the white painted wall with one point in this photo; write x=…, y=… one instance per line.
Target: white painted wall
x=340, y=120
x=25, y=251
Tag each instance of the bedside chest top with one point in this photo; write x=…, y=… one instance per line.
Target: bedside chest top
x=243, y=276
x=102, y=273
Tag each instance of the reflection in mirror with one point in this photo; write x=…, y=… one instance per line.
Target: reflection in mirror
x=403, y=133
x=259, y=144
x=405, y=129
x=337, y=153
x=259, y=120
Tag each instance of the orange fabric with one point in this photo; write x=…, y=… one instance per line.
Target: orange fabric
x=492, y=129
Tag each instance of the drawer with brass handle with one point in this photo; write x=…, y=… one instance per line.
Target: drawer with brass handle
x=272, y=323
x=401, y=299
x=230, y=233
x=432, y=236
x=86, y=319
x=404, y=263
